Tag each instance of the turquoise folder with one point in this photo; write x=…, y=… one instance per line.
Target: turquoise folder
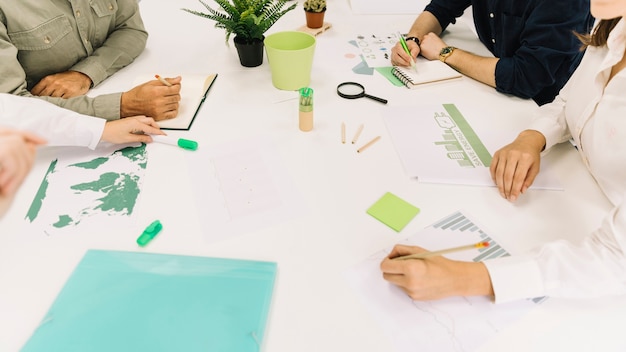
x=129, y=301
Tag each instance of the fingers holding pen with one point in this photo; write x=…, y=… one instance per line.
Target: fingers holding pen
x=399, y=56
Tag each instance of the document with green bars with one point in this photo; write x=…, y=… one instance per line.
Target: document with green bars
x=438, y=144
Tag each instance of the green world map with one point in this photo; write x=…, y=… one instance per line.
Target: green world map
x=104, y=186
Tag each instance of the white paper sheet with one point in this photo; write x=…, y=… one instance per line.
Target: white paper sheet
x=241, y=186
x=452, y=324
x=444, y=143
x=387, y=7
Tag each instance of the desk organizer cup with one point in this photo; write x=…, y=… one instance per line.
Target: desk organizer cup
x=305, y=109
x=290, y=55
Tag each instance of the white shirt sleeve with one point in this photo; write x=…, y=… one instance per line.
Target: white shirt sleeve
x=595, y=267
x=60, y=127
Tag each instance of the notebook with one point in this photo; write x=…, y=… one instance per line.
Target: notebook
x=193, y=92
x=427, y=72
x=135, y=301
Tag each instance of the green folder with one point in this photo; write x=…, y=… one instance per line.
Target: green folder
x=130, y=301
x=393, y=211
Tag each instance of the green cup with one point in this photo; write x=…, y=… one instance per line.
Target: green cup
x=290, y=55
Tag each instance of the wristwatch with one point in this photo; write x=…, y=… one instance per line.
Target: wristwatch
x=415, y=39
x=445, y=52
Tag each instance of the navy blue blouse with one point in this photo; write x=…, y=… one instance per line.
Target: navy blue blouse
x=533, y=38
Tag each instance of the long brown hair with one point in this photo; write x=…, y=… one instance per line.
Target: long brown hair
x=600, y=34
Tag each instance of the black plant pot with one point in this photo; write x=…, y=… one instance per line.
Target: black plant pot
x=250, y=54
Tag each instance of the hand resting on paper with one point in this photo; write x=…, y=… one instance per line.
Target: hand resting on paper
x=435, y=277
x=153, y=99
x=515, y=166
x=131, y=129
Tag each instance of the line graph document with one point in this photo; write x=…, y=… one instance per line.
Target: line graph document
x=242, y=186
x=456, y=324
x=442, y=143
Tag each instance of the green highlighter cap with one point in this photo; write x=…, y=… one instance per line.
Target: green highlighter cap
x=187, y=144
x=149, y=233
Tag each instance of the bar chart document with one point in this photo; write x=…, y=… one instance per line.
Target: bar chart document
x=452, y=144
x=458, y=324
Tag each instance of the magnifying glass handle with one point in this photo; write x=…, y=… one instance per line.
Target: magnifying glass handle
x=381, y=100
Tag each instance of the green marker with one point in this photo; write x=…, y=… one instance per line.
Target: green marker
x=183, y=143
x=149, y=233
x=406, y=50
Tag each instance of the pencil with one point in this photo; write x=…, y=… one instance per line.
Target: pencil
x=163, y=80
x=357, y=134
x=368, y=144
x=343, y=132
x=443, y=251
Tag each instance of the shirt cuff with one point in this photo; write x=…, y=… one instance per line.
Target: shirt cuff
x=515, y=277
x=108, y=106
x=92, y=69
x=89, y=131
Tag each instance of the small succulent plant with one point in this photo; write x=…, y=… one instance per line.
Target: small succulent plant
x=314, y=5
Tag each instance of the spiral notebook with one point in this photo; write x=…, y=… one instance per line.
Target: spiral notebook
x=427, y=72
x=138, y=301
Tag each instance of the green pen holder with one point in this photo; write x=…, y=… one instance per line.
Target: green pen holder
x=305, y=109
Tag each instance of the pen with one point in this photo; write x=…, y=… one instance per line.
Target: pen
x=149, y=233
x=443, y=251
x=406, y=50
x=368, y=144
x=183, y=143
x=343, y=132
x=163, y=80
x=357, y=134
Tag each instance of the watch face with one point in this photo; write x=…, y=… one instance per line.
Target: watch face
x=446, y=50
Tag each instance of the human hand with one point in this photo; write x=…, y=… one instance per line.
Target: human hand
x=17, y=154
x=431, y=46
x=153, y=99
x=435, y=277
x=399, y=57
x=64, y=85
x=515, y=166
x=130, y=129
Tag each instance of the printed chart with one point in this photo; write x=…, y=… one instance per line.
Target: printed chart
x=453, y=324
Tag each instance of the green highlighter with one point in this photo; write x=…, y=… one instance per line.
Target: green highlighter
x=149, y=233
x=183, y=143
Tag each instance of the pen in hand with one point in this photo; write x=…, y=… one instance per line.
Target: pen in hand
x=443, y=251
x=162, y=80
x=406, y=50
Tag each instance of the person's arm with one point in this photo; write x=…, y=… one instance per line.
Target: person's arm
x=474, y=66
x=61, y=127
x=435, y=277
x=548, y=49
x=123, y=44
x=595, y=267
x=14, y=82
x=424, y=23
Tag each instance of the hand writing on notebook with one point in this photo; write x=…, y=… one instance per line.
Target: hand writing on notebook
x=153, y=99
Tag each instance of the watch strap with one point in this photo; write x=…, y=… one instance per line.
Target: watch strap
x=415, y=39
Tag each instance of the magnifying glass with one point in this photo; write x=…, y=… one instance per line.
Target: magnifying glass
x=353, y=90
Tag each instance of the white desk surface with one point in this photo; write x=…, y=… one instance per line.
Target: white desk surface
x=313, y=308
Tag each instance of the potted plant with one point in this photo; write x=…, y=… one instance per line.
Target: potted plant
x=314, y=11
x=248, y=20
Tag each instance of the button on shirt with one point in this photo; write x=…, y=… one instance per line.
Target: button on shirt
x=43, y=37
x=591, y=111
x=533, y=40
